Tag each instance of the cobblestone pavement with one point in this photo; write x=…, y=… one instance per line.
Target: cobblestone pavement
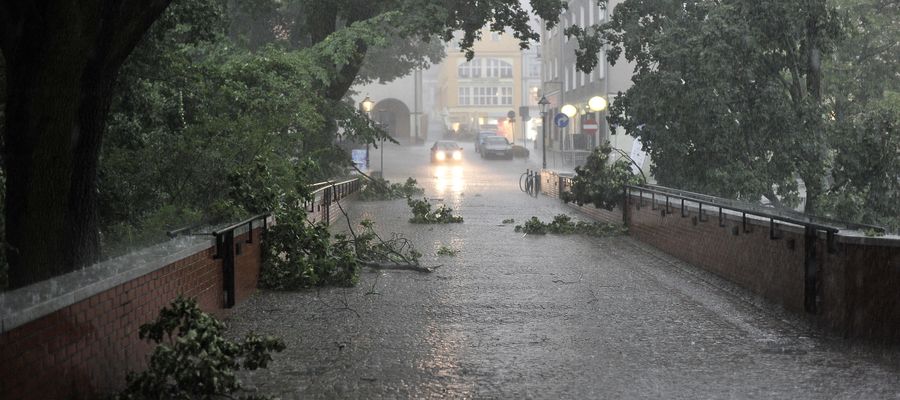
x=540, y=317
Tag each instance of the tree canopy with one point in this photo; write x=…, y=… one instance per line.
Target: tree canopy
x=753, y=100
x=141, y=138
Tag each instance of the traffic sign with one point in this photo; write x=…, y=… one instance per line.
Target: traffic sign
x=561, y=120
x=590, y=126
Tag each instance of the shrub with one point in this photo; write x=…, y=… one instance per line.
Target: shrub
x=423, y=214
x=600, y=182
x=381, y=189
x=193, y=360
x=298, y=254
x=562, y=224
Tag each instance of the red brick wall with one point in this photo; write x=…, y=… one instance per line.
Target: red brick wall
x=770, y=268
x=871, y=303
x=857, y=285
x=86, y=349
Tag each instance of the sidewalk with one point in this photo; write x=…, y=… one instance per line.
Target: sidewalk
x=515, y=316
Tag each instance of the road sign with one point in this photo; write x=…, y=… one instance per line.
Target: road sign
x=561, y=120
x=523, y=112
x=590, y=126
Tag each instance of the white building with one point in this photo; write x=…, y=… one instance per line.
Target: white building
x=564, y=84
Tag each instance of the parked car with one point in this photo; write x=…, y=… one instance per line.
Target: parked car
x=496, y=146
x=479, y=139
x=446, y=151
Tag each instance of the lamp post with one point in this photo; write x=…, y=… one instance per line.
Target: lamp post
x=383, y=126
x=366, y=106
x=570, y=111
x=543, y=103
x=598, y=104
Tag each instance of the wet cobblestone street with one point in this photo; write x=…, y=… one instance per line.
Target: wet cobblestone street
x=513, y=316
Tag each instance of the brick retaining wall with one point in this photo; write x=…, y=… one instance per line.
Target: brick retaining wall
x=857, y=287
x=85, y=348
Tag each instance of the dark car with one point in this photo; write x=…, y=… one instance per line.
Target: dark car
x=479, y=139
x=496, y=146
x=446, y=151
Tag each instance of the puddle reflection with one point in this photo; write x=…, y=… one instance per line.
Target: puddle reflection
x=449, y=178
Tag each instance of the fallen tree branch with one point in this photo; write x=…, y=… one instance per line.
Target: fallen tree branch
x=398, y=266
x=374, y=251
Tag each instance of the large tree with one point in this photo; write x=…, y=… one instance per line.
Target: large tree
x=727, y=94
x=62, y=60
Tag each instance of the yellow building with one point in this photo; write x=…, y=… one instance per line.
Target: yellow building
x=478, y=94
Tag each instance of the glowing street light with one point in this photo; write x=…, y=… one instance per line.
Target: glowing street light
x=569, y=110
x=366, y=106
x=597, y=103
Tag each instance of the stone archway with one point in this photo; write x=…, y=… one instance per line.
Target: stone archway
x=394, y=114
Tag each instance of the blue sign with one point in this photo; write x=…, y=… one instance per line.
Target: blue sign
x=360, y=158
x=561, y=120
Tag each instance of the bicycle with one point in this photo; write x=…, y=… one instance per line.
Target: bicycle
x=529, y=182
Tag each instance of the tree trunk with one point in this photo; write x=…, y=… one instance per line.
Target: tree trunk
x=62, y=59
x=813, y=178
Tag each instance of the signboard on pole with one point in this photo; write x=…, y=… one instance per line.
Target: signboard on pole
x=359, y=158
x=590, y=126
x=638, y=155
x=561, y=120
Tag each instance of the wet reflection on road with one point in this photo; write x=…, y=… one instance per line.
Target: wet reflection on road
x=448, y=178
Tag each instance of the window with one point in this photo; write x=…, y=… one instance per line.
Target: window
x=506, y=96
x=534, y=70
x=601, y=65
x=591, y=13
x=496, y=68
x=464, y=96
x=574, y=75
x=464, y=70
x=602, y=13
x=470, y=69
x=486, y=96
x=582, y=17
x=481, y=96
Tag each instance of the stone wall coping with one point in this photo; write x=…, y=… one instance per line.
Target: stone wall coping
x=29, y=303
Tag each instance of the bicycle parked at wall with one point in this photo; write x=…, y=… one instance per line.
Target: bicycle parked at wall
x=530, y=182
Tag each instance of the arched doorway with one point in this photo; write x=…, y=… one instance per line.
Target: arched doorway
x=394, y=115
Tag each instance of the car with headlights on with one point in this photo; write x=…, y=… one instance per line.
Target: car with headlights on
x=496, y=146
x=446, y=151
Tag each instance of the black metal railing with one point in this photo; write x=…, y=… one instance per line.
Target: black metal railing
x=666, y=199
x=227, y=248
x=662, y=198
x=326, y=193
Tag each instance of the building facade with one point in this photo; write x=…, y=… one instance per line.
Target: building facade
x=563, y=84
x=479, y=94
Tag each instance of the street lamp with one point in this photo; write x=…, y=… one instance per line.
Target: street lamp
x=383, y=125
x=569, y=110
x=543, y=103
x=597, y=104
x=366, y=106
